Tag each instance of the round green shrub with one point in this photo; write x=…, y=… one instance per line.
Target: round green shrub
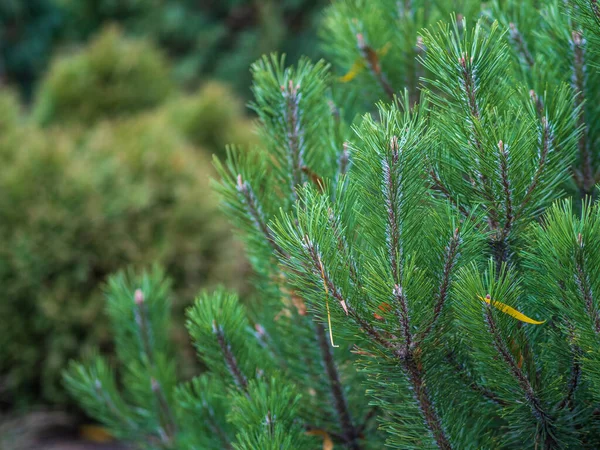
x=113, y=76
x=128, y=193
x=212, y=118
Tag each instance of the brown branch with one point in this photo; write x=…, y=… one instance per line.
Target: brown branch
x=542, y=417
x=546, y=140
x=391, y=197
x=517, y=38
x=586, y=171
x=372, y=60
x=415, y=376
x=230, y=360
x=439, y=186
x=350, y=433
x=583, y=283
x=462, y=372
x=403, y=317
x=575, y=373
x=255, y=212
x=470, y=88
x=442, y=295
x=506, y=189
x=343, y=160
x=294, y=133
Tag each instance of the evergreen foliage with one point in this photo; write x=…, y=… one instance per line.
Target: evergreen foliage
x=116, y=77
x=424, y=279
x=210, y=39
x=76, y=207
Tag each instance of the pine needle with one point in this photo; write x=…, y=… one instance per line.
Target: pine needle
x=326, y=302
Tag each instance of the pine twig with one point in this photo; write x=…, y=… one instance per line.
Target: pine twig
x=586, y=171
x=470, y=89
x=230, y=360
x=506, y=189
x=546, y=140
x=350, y=433
x=391, y=198
x=575, y=372
x=442, y=295
x=254, y=210
x=584, y=285
x=372, y=61
x=167, y=419
x=517, y=38
x=294, y=134
x=542, y=417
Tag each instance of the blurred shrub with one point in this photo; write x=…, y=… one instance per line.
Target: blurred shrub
x=9, y=110
x=130, y=192
x=212, y=118
x=215, y=39
x=113, y=76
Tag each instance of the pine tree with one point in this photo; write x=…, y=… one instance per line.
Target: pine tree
x=423, y=278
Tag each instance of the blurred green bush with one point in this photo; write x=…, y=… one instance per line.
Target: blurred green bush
x=212, y=118
x=116, y=177
x=114, y=76
x=216, y=39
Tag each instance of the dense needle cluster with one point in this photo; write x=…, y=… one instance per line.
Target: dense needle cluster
x=426, y=266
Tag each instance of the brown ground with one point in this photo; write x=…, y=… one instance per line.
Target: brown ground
x=50, y=430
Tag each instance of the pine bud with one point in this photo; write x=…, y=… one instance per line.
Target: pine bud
x=138, y=297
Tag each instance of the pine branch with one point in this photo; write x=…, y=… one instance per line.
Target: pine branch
x=350, y=433
x=229, y=358
x=438, y=185
x=583, y=283
x=575, y=372
x=586, y=171
x=253, y=209
x=542, y=417
x=392, y=198
x=406, y=356
x=517, y=39
x=101, y=394
x=470, y=89
x=462, y=371
x=319, y=270
x=545, y=143
x=503, y=161
x=294, y=134
x=371, y=59
x=168, y=425
x=343, y=248
x=421, y=394
x=443, y=289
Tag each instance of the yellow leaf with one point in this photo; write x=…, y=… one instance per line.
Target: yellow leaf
x=327, y=442
x=356, y=68
x=509, y=310
x=359, y=64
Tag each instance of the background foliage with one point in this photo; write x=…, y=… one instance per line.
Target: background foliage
x=110, y=168
x=206, y=39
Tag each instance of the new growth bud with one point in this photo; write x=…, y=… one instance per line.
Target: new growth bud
x=138, y=297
